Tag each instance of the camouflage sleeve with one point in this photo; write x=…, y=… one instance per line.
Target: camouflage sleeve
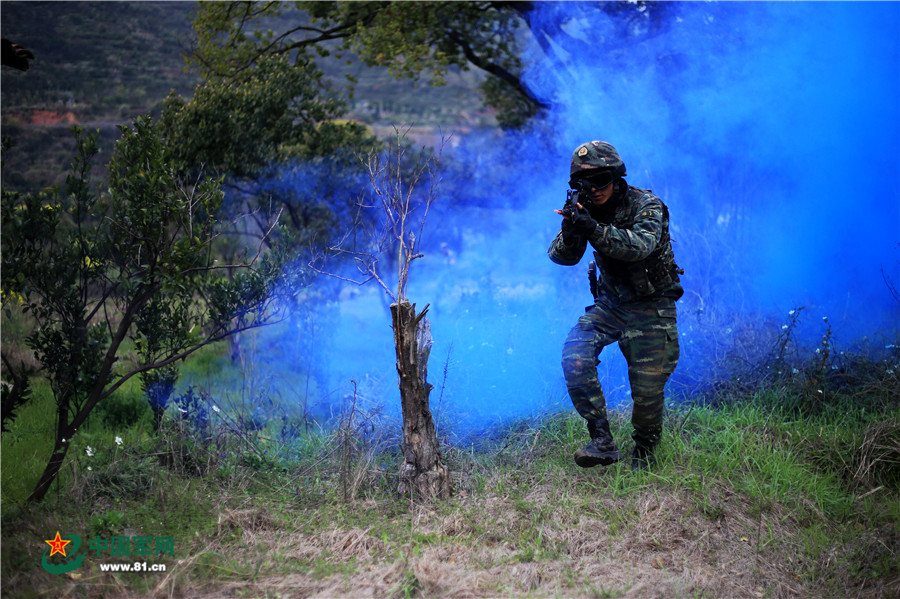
x=637, y=242
x=566, y=255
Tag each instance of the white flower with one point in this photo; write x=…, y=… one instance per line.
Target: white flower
x=89, y=468
x=216, y=409
x=89, y=451
x=791, y=313
x=795, y=371
x=118, y=441
x=784, y=327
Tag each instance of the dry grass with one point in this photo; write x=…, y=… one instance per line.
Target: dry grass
x=525, y=521
x=552, y=541
x=669, y=549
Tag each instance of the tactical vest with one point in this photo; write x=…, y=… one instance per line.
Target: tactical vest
x=645, y=277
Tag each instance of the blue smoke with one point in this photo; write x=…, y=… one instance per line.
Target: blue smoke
x=771, y=130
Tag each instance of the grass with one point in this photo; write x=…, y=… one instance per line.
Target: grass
x=757, y=497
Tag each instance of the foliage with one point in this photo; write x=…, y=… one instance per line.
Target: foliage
x=95, y=271
x=261, y=129
x=410, y=38
x=14, y=394
x=272, y=112
x=194, y=413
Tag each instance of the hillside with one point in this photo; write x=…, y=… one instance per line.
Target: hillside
x=99, y=64
x=753, y=500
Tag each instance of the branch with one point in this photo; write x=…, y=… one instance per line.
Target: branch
x=368, y=269
x=496, y=70
x=109, y=360
x=341, y=30
x=184, y=354
x=890, y=285
x=259, y=249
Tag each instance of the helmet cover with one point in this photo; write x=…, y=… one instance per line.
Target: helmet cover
x=596, y=155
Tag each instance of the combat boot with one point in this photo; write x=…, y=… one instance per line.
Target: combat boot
x=642, y=458
x=602, y=449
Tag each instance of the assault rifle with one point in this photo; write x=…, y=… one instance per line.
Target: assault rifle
x=578, y=186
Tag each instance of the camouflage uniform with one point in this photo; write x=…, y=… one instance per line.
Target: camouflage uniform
x=634, y=299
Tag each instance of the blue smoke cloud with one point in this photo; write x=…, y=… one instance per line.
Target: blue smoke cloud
x=771, y=130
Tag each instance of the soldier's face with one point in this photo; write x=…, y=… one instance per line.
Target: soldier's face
x=600, y=196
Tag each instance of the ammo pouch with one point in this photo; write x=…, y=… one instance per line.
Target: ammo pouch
x=639, y=278
x=592, y=276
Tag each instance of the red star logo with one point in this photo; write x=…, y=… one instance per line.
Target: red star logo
x=57, y=545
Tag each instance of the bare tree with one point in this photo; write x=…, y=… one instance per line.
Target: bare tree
x=402, y=199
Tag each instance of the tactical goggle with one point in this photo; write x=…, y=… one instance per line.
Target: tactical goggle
x=598, y=181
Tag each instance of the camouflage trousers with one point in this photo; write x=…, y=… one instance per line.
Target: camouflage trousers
x=648, y=337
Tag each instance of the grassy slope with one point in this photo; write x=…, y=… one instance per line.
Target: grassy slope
x=748, y=501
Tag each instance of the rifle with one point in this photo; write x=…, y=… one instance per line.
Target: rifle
x=579, y=186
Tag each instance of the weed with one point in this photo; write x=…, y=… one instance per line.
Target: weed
x=129, y=476
x=107, y=524
x=601, y=592
x=408, y=586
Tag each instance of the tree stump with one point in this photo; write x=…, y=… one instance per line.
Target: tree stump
x=422, y=474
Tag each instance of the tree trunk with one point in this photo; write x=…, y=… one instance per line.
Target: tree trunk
x=66, y=430
x=51, y=471
x=422, y=475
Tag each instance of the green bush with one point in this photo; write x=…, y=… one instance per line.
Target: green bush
x=124, y=409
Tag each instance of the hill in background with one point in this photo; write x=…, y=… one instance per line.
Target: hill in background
x=100, y=64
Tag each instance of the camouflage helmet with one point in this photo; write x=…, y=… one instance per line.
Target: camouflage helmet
x=596, y=155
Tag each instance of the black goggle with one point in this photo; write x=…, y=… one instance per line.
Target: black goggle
x=598, y=181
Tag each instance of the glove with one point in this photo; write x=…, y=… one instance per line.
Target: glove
x=568, y=228
x=583, y=223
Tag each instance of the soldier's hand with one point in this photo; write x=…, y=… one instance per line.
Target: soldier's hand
x=583, y=223
x=568, y=228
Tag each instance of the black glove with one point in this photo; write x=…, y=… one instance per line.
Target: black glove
x=568, y=229
x=583, y=223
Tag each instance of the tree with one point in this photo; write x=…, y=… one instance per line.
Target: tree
x=398, y=230
x=269, y=117
x=410, y=38
x=132, y=264
x=272, y=112
x=414, y=39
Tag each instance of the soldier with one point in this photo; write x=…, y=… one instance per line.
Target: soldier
x=634, y=299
